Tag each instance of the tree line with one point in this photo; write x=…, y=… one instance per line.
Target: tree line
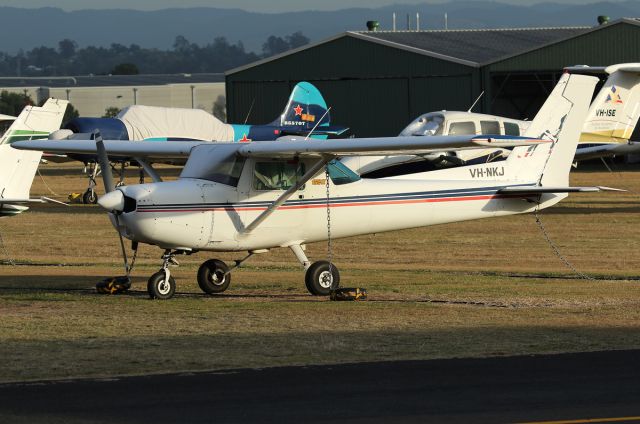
x=184, y=57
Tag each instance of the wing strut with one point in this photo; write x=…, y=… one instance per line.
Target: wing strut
x=287, y=194
x=149, y=169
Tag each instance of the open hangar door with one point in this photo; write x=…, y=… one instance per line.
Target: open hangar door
x=521, y=95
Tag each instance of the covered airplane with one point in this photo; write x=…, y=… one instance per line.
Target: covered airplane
x=258, y=196
x=305, y=113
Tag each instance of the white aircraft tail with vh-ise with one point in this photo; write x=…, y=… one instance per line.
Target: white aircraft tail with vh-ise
x=17, y=168
x=257, y=196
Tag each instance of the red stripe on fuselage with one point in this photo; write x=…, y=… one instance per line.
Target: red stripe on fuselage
x=339, y=205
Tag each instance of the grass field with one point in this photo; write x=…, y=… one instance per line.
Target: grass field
x=491, y=287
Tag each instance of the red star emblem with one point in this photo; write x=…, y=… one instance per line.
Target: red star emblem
x=298, y=110
x=244, y=138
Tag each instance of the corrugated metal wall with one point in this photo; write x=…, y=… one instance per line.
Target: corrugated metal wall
x=374, y=89
x=613, y=43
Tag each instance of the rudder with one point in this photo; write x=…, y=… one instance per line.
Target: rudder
x=614, y=112
x=18, y=167
x=560, y=120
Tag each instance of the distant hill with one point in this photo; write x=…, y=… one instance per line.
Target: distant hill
x=28, y=28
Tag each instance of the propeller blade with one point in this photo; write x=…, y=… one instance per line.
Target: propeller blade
x=103, y=160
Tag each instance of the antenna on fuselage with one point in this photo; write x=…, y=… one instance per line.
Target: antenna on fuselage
x=477, y=100
x=251, y=108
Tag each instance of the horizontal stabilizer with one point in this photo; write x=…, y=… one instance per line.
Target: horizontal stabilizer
x=546, y=189
x=594, y=70
x=325, y=130
x=606, y=149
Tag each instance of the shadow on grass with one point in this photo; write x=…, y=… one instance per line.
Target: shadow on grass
x=565, y=210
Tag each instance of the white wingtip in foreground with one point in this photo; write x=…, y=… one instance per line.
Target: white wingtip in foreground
x=18, y=167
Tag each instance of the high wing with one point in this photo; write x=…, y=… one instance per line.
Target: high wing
x=144, y=149
x=605, y=150
x=286, y=147
x=301, y=147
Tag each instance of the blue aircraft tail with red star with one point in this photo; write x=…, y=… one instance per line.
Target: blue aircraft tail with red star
x=306, y=113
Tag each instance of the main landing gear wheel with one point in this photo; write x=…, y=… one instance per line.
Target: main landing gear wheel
x=90, y=197
x=158, y=288
x=319, y=281
x=213, y=276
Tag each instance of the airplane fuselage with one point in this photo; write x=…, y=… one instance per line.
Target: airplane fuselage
x=197, y=214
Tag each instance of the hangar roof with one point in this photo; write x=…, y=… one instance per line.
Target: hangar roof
x=110, y=80
x=474, y=45
x=470, y=47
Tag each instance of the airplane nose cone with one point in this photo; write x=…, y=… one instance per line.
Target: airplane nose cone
x=113, y=201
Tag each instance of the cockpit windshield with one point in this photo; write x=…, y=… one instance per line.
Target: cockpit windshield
x=427, y=124
x=220, y=164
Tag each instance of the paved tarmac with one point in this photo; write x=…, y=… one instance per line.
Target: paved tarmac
x=577, y=387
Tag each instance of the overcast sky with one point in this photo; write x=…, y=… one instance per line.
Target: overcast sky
x=250, y=5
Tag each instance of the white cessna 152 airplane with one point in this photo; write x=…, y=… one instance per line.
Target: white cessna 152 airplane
x=17, y=168
x=257, y=196
x=611, y=119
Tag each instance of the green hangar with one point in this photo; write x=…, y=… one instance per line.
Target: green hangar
x=376, y=82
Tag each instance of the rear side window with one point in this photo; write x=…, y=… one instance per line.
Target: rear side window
x=462, y=128
x=489, y=127
x=511, y=129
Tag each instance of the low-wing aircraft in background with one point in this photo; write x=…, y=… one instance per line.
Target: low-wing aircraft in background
x=306, y=111
x=610, y=122
x=257, y=196
x=17, y=168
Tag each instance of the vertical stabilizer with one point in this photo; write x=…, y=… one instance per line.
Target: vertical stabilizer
x=560, y=120
x=614, y=113
x=18, y=167
x=305, y=108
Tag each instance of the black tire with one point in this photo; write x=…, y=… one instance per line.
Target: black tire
x=90, y=197
x=212, y=278
x=158, y=289
x=318, y=281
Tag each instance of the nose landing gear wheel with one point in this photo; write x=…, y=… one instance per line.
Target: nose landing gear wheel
x=90, y=197
x=319, y=281
x=158, y=288
x=213, y=277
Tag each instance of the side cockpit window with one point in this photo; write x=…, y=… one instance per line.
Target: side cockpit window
x=428, y=124
x=277, y=175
